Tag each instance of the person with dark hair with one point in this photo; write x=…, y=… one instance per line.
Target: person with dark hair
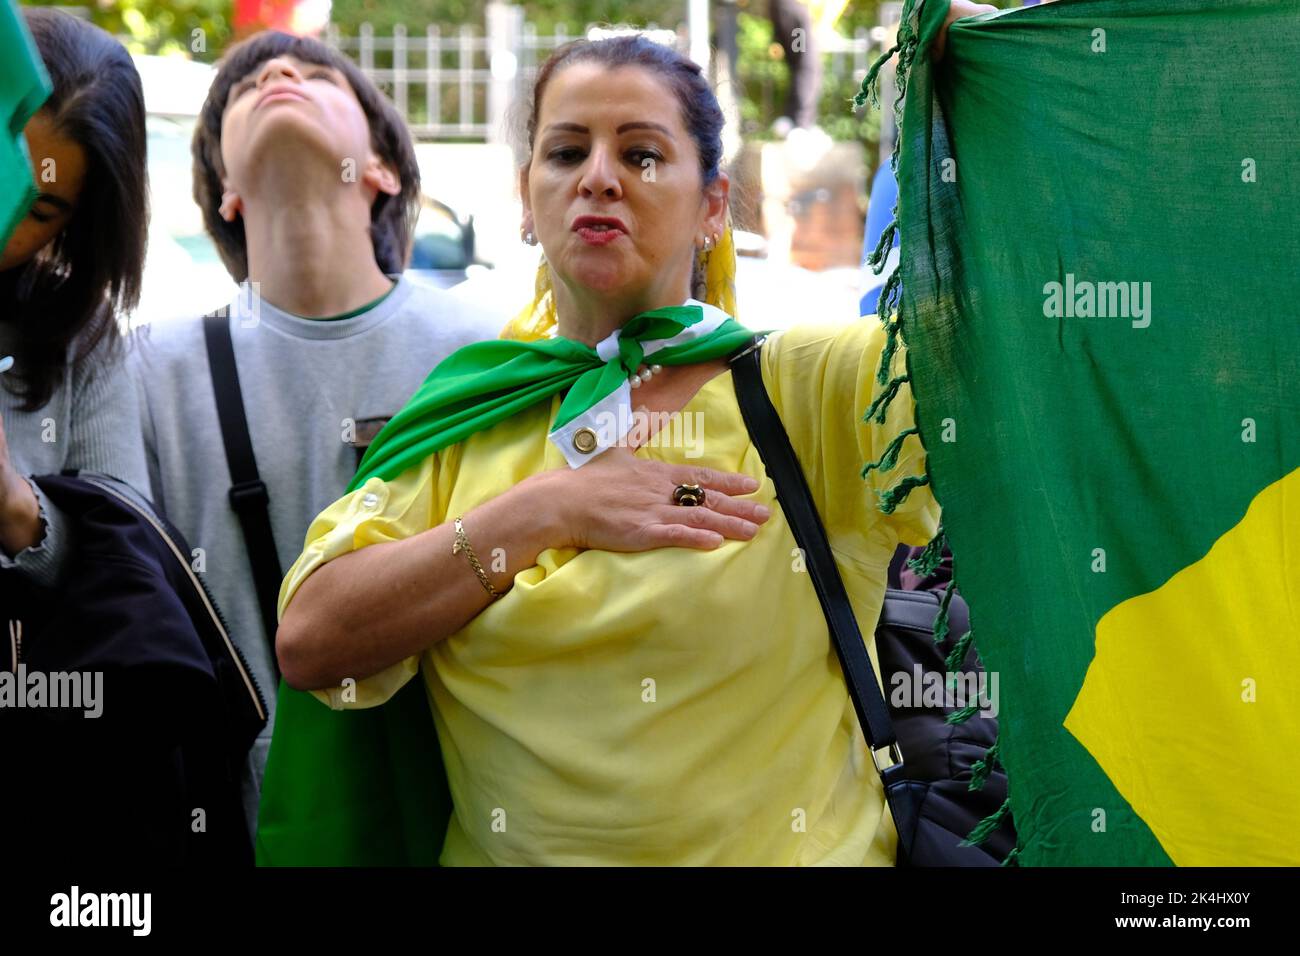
x=308, y=184
x=68, y=274
x=625, y=659
x=389, y=176
x=792, y=29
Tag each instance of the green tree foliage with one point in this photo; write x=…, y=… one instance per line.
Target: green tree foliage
x=545, y=14
x=201, y=28
x=761, y=68
x=765, y=80
x=383, y=15
x=161, y=26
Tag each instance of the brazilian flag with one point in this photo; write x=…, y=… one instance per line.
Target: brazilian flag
x=1100, y=293
x=24, y=86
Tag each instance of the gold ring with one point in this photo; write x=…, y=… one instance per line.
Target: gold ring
x=688, y=495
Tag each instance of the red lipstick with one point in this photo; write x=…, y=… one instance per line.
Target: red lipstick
x=598, y=230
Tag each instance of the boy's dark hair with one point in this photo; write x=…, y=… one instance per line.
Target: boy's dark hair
x=392, y=218
x=67, y=298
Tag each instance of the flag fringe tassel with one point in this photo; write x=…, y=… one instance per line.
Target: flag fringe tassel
x=890, y=314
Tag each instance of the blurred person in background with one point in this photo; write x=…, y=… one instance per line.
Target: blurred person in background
x=792, y=28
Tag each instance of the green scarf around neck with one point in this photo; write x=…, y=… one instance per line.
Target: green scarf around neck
x=487, y=382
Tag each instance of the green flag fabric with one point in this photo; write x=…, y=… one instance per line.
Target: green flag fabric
x=353, y=787
x=1100, y=293
x=24, y=86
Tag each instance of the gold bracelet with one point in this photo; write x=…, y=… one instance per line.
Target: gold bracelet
x=462, y=544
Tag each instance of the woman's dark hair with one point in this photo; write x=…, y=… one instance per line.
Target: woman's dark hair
x=701, y=114
x=67, y=298
x=392, y=218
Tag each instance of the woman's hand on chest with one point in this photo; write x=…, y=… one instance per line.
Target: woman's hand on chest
x=619, y=502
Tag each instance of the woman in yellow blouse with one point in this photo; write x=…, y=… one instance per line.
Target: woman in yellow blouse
x=616, y=678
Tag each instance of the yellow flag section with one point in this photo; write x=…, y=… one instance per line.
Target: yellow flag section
x=1189, y=704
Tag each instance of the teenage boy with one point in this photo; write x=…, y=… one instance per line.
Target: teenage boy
x=308, y=184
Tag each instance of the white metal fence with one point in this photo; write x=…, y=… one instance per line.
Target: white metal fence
x=459, y=84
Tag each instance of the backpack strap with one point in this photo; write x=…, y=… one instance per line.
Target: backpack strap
x=773, y=445
x=248, y=493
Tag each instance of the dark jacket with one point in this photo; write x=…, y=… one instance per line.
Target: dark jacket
x=154, y=778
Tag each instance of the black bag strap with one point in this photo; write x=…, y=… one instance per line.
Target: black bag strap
x=773, y=444
x=248, y=494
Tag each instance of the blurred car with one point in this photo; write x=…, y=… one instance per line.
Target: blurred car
x=443, y=252
x=183, y=275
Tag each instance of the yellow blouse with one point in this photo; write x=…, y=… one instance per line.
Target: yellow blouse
x=674, y=706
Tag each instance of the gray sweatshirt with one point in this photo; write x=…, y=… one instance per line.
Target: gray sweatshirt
x=306, y=384
x=90, y=422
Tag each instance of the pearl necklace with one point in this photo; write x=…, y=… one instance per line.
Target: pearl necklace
x=643, y=375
